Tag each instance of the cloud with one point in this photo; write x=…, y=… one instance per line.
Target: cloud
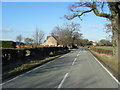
x=92, y=26
x=6, y=29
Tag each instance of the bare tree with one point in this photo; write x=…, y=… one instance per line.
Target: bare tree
x=67, y=33
x=108, y=28
x=38, y=36
x=19, y=39
x=98, y=8
x=41, y=36
x=28, y=40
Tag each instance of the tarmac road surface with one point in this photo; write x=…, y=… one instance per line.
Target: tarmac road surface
x=77, y=69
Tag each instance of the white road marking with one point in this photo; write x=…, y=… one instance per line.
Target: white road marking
x=9, y=80
x=106, y=69
x=30, y=71
x=60, y=85
x=20, y=75
x=74, y=61
x=64, y=55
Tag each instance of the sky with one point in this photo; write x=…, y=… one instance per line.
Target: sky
x=23, y=17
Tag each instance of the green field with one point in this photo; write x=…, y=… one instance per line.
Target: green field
x=105, y=47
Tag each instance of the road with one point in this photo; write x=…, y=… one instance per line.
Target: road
x=77, y=69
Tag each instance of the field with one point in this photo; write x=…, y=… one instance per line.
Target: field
x=105, y=47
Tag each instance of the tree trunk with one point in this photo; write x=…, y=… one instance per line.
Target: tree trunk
x=119, y=41
x=116, y=38
x=116, y=41
x=115, y=11
x=119, y=51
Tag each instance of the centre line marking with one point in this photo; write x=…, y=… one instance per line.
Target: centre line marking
x=60, y=85
x=74, y=61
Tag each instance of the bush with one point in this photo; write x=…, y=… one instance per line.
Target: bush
x=8, y=44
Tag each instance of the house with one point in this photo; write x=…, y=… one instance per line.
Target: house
x=51, y=41
x=94, y=44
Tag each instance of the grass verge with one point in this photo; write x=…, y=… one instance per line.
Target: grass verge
x=109, y=62
x=26, y=66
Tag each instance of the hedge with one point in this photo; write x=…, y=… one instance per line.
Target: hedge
x=102, y=51
x=11, y=55
x=8, y=44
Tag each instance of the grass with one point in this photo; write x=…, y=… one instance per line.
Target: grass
x=26, y=66
x=105, y=47
x=108, y=60
x=14, y=69
x=28, y=53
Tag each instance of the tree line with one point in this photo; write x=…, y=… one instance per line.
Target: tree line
x=67, y=35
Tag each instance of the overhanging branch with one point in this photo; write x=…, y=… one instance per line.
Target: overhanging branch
x=77, y=15
x=96, y=12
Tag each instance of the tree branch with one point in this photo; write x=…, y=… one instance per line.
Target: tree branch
x=97, y=13
x=77, y=15
x=93, y=7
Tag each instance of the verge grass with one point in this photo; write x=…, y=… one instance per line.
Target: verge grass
x=21, y=67
x=108, y=60
x=27, y=66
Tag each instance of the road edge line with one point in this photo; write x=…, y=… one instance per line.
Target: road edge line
x=106, y=69
x=30, y=71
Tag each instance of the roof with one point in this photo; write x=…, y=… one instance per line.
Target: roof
x=55, y=37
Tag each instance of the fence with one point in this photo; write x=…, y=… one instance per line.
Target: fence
x=11, y=55
x=102, y=51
